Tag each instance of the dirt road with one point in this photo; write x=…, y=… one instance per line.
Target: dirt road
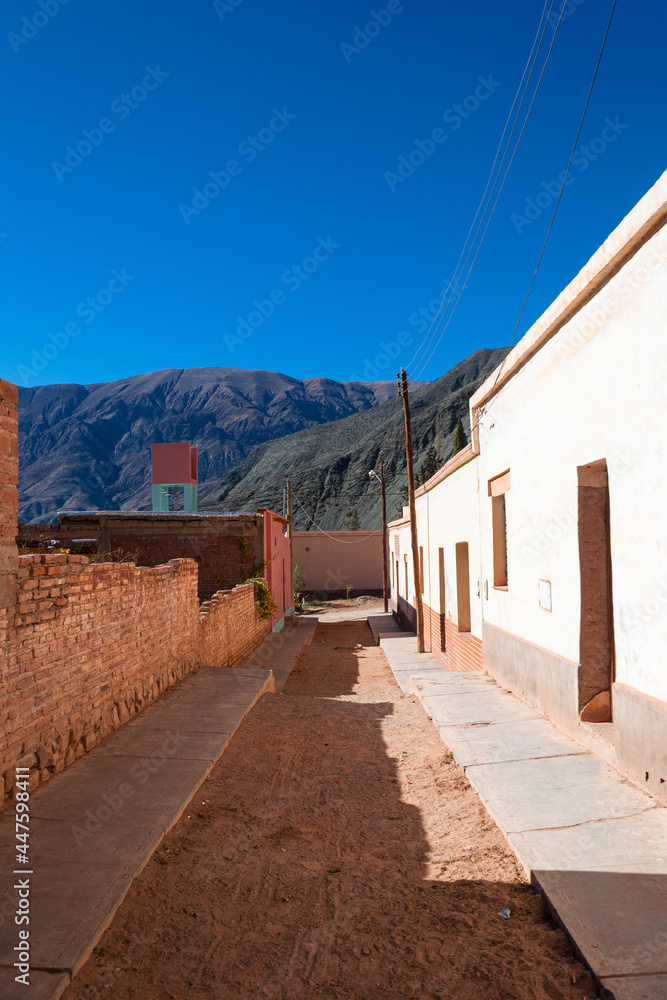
x=335, y=852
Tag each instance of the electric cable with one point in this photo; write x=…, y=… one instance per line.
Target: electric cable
x=541, y=29
x=495, y=204
x=562, y=188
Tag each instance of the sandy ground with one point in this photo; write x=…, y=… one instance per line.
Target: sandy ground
x=335, y=852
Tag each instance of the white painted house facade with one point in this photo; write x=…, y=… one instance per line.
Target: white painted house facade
x=569, y=489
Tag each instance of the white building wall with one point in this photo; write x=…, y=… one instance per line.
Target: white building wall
x=597, y=389
x=399, y=547
x=447, y=514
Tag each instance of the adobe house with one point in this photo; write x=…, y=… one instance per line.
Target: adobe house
x=566, y=481
x=449, y=560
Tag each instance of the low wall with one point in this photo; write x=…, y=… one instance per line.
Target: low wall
x=88, y=645
x=229, y=627
x=334, y=560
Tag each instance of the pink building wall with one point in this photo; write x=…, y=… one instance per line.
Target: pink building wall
x=277, y=561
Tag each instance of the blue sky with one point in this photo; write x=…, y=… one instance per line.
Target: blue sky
x=309, y=257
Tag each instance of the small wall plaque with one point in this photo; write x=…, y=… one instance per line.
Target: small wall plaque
x=545, y=594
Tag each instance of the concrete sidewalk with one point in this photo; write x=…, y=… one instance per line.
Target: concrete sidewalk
x=95, y=825
x=594, y=843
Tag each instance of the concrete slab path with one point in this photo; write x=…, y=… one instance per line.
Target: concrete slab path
x=95, y=825
x=594, y=843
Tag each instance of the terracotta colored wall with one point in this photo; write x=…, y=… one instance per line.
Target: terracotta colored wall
x=277, y=561
x=92, y=644
x=331, y=563
x=223, y=560
x=9, y=499
x=463, y=650
x=229, y=627
x=84, y=646
x=457, y=650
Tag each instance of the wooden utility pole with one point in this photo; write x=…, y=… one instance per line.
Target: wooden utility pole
x=403, y=391
x=290, y=533
x=385, y=581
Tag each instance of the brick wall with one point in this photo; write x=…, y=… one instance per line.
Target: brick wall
x=9, y=499
x=228, y=548
x=92, y=644
x=89, y=646
x=222, y=560
x=457, y=650
x=463, y=650
x=85, y=646
x=229, y=627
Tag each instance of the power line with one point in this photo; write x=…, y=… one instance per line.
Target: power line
x=500, y=191
x=343, y=541
x=541, y=29
x=562, y=187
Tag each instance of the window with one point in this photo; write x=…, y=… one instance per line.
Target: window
x=405, y=563
x=421, y=570
x=498, y=488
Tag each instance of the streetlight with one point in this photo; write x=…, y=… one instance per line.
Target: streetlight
x=373, y=475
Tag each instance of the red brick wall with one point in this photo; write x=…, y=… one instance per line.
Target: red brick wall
x=9, y=498
x=92, y=644
x=229, y=627
x=223, y=560
x=457, y=650
x=84, y=646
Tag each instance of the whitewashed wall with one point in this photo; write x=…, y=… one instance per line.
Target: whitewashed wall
x=447, y=514
x=598, y=389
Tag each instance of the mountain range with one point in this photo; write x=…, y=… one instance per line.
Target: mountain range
x=87, y=447
x=329, y=465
